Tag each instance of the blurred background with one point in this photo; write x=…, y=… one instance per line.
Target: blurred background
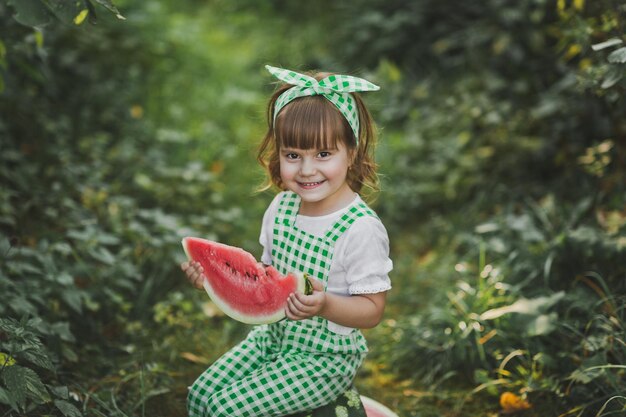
x=127, y=125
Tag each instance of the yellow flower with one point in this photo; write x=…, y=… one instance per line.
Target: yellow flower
x=136, y=111
x=511, y=403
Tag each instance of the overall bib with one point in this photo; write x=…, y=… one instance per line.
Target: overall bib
x=290, y=366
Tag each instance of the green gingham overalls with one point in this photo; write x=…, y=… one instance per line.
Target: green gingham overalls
x=289, y=366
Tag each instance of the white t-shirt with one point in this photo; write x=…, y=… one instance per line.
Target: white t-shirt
x=360, y=263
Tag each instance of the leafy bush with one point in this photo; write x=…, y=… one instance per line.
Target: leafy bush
x=118, y=140
x=550, y=299
x=91, y=214
x=503, y=137
x=502, y=149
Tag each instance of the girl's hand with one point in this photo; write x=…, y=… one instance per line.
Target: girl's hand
x=194, y=271
x=300, y=306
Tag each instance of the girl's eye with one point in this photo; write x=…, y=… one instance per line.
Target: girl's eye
x=291, y=155
x=324, y=154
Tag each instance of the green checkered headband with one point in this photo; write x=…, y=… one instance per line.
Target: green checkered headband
x=335, y=88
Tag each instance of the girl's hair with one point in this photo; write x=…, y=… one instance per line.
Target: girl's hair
x=313, y=122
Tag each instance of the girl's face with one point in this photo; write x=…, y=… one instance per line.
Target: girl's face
x=318, y=176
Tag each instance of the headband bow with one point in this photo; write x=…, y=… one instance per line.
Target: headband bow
x=335, y=88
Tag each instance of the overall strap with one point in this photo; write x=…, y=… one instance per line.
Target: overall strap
x=288, y=207
x=294, y=249
x=360, y=209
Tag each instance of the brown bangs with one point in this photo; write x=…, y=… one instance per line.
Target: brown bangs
x=312, y=123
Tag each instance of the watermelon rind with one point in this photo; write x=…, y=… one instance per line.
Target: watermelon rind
x=302, y=282
x=308, y=285
x=375, y=409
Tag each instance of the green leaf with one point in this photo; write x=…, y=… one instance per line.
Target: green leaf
x=590, y=369
x=6, y=360
x=108, y=239
x=613, y=76
x=618, y=56
x=25, y=382
x=68, y=353
x=62, y=329
x=64, y=279
x=92, y=12
x=606, y=44
x=68, y=409
x=103, y=255
x=582, y=376
x=35, y=386
x=31, y=12
x=107, y=4
x=38, y=357
x=61, y=392
x=542, y=325
x=65, y=11
x=5, y=398
x=81, y=16
x=14, y=380
x=533, y=306
x=74, y=299
x=22, y=306
x=487, y=228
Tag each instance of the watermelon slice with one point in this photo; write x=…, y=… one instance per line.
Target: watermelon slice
x=375, y=409
x=241, y=287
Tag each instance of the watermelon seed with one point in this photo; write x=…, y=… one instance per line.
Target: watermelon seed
x=233, y=270
x=255, y=276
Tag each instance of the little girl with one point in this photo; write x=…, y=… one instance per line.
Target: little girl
x=318, y=149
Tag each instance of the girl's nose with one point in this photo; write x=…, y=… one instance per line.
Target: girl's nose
x=307, y=168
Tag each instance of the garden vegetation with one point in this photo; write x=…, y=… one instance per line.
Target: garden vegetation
x=127, y=125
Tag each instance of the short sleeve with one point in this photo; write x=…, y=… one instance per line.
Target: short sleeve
x=366, y=257
x=267, y=227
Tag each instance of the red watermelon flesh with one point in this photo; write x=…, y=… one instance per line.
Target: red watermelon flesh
x=240, y=286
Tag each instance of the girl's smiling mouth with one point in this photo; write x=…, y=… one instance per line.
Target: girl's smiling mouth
x=310, y=184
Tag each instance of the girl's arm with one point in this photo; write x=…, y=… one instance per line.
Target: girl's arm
x=362, y=311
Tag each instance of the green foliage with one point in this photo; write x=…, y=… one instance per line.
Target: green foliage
x=502, y=150
x=503, y=136
x=41, y=13
x=571, y=321
x=92, y=213
x=22, y=351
